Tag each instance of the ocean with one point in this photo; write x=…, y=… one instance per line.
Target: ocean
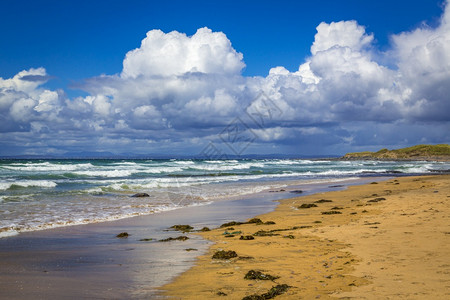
x=41, y=194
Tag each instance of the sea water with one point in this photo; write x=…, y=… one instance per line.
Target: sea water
x=40, y=194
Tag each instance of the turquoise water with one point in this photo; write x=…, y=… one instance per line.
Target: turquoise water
x=40, y=194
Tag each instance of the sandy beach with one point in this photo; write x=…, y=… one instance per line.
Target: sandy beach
x=90, y=262
x=385, y=240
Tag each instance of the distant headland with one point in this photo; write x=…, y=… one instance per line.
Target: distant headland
x=439, y=152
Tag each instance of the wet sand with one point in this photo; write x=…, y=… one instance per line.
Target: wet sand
x=386, y=240
x=89, y=262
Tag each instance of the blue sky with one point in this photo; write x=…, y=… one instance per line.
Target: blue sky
x=373, y=74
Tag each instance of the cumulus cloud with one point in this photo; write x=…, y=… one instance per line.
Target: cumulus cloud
x=175, y=53
x=179, y=92
x=340, y=34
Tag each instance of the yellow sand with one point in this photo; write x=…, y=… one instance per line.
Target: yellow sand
x=398, y=248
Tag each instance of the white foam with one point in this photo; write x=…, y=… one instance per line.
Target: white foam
x=215, y=167
x=106, y=173
x=155, y=170
x=185, y=162
x=8, y=233
x=57, y=221
x=28, y=183
x=47, y=166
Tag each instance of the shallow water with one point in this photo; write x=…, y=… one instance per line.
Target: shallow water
x=41, y=194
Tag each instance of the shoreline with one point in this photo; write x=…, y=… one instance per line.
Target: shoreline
x=89, y=261
x=375, y=241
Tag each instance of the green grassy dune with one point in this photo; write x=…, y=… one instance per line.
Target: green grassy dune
x=418, y=152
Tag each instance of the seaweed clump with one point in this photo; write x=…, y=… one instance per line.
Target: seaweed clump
x=333, y=212
x=323, y=201
x=377, y=199
x=272, y=293
x=204, y=229
x=255, y=221
x=222, y=254
x=264, y=233
x=183, y=228
x=122, y=235
x=307, y=205
x=254, y=275
x=246, y=237
x=233, y=223
x=179, y=238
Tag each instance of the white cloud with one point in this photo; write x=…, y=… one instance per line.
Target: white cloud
x=175, y=53
x=340, y=34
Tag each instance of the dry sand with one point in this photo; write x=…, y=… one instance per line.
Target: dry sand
x=394, y=247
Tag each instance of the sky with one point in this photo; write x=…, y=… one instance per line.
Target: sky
x=214, y=78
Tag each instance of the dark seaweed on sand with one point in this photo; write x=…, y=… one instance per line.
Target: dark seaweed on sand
x=333, y=212
x=307, y=205
x=222, y=254
x=323, y=201
x=254, y=275
x=272, y=293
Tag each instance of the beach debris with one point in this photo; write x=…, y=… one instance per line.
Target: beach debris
x=222, y=254
x=234, y=232
x=255, y=221
x=296, y=192
x=246, y=237
x=371, y=223
x=179, y=238
x=336, y=186
x=245, y=257
x=302, y=227
x=190, y=249
x=272, y=293
x=233, y=223
x=264, y=233
x=146, y=240
x=183, y=228
x=229, y=235
x=374, y=182
x=277, y=191
x=289, y=236
x=317, y=222
x=307, y=205
x=333, y=212
x=337, y=208
x=323, y=201
x=204, y=229
x=258, y=275
x=377, y=199
x=258, y=221
x=140, y=195
x=122, y=235
x=220, y=293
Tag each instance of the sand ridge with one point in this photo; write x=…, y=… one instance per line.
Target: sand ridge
x=385, y=240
